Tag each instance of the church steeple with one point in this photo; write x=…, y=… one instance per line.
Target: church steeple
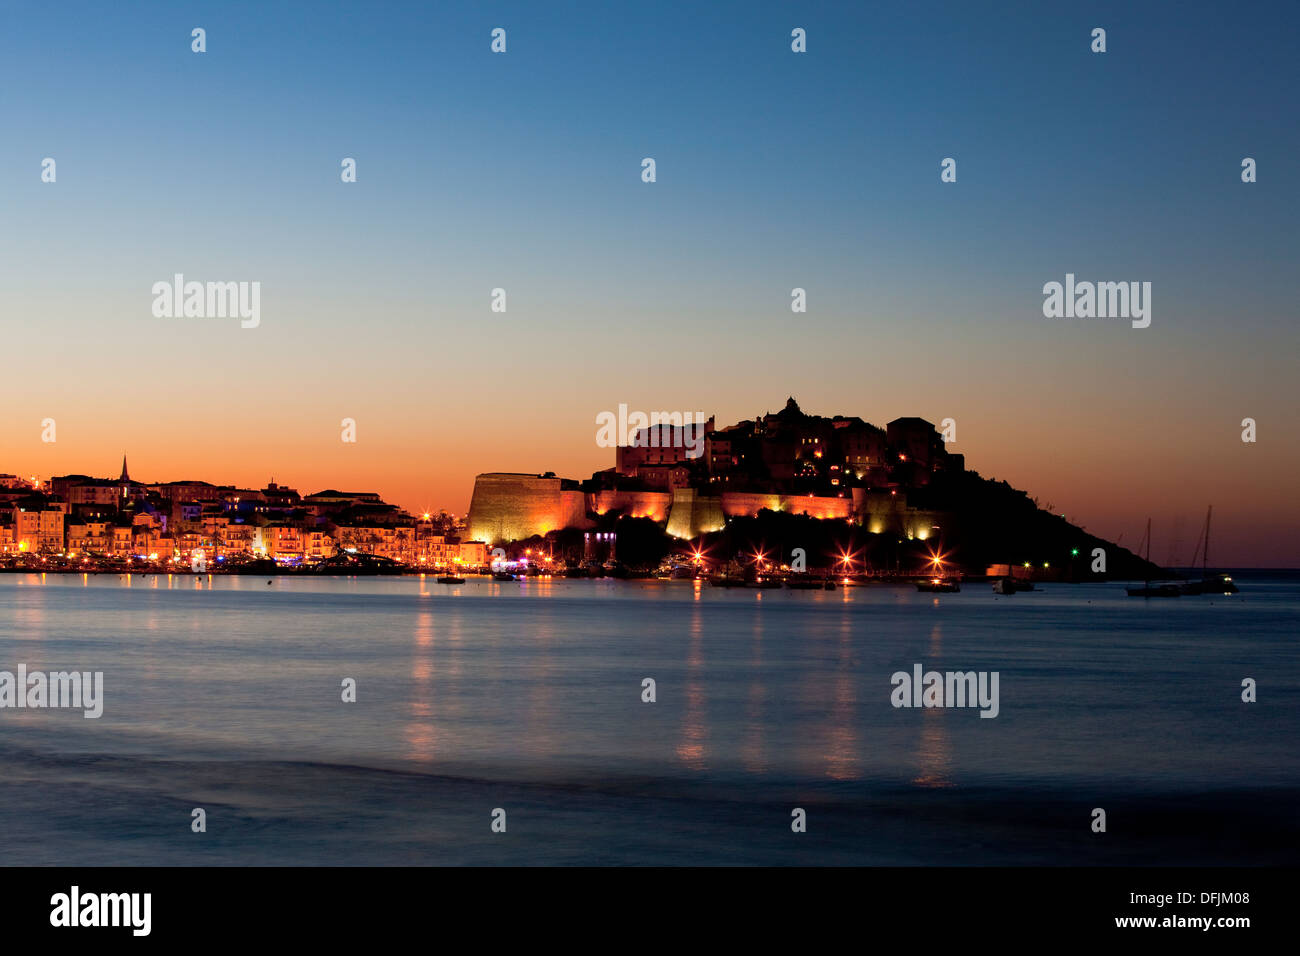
x=124, y=483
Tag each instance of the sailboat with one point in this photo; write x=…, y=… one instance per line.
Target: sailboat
x=1147, y=590
x=1217, y=583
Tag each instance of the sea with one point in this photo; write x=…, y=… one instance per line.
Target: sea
x=320, y=721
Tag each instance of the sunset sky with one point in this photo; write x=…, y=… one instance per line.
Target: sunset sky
x=775, y=170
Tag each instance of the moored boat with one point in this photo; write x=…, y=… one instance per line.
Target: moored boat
x=1210, y=583
x=939, y=585
x=1214, y=584
x=804, y=583
x=358, y=563
x=726, y=581
x=1149, y=590
x=1155, y=590
x=1011, y=586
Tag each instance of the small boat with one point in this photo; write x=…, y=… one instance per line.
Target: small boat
x=1155, y=590
x=829, y=585
x=254, y=566
x=502, y=576
x=1011, y=586
x=939, y=585
x=765, y=583
x=450, y=579
x=725, y=581
x=1216, y=583
x=350, y=563
x=805, y=583
x=1213, y=584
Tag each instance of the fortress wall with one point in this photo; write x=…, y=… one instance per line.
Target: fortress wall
x=883, y=513
x=508, y=507
x=920, y=524
x=817, y=507
x=694, y=514
x=573, y=510
x=735, y=503
x=739, y=503
x=638, y=504
x=880, y=512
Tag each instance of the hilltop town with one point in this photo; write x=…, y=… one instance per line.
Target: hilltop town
x=848, y=494
x=831, y=468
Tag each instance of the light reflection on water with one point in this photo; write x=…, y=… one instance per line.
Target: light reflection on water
x=933, y=754
x=691, y=749
x=226, y=693
x=543, y=677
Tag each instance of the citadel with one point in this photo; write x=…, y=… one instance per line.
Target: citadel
x=840, y=467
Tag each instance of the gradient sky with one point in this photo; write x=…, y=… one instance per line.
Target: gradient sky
x=775, y=170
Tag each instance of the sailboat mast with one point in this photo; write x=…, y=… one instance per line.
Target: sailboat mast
x=1205, y=554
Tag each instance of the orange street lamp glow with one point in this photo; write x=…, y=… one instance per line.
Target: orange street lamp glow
x=937, y=560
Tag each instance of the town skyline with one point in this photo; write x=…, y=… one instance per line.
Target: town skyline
x=1174, y=550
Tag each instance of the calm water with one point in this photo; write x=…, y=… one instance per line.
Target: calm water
x=225, y=694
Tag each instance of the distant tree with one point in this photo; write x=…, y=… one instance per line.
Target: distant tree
x=641, y=543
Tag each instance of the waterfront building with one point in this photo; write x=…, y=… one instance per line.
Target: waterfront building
x=38, y=522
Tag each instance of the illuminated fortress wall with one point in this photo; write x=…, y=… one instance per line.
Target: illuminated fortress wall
x=694, y=514
x=508, y=507
x=736, y=503
x=638, y=504
x=883, y=513
x=573, y=510
x=511, y=507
